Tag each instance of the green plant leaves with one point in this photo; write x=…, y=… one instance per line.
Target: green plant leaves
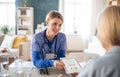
x=4, y=29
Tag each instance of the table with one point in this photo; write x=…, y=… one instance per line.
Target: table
x=30, y=69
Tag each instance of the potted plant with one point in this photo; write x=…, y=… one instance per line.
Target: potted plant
x=26, y=3
x=4, y=29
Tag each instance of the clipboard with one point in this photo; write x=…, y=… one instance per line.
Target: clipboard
x=71, y=65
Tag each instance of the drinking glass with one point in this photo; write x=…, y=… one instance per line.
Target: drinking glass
x=19, y=65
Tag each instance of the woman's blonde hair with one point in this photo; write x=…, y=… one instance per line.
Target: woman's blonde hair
x=53, y=14
x=109, y=25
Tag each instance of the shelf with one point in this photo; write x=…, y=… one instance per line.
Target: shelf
x=24, y=25
x=25, y=20
x=24, y=16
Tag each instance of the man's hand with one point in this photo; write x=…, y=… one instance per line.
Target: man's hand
x=58, y=64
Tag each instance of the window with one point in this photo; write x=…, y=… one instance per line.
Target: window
x=76, y=16
x=7, y=13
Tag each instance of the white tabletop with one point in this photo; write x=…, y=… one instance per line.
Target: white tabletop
x=30, y=69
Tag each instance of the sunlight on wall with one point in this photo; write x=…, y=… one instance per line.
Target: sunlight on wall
x=7, y=15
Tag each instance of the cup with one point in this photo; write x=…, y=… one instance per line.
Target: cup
x=4, y=63
x=18, y=65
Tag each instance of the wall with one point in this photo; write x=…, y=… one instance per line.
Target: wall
x=76, y=43
x=97, y=6
x=41, y=8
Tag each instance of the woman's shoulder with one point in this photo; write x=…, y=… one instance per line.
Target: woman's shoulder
x=60, y=34
x=39, y=34
x=105, y=60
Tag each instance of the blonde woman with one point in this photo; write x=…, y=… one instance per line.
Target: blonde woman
x=49, y=45
x=108, y=28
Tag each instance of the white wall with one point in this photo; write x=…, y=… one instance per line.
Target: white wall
x=75, y=43
x=97, y=6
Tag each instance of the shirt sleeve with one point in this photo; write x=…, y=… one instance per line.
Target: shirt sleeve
x=39, y=62
x=87, y=71
x=91, y=69
x=36, y=46
x=61, y=54
x=37, y=57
